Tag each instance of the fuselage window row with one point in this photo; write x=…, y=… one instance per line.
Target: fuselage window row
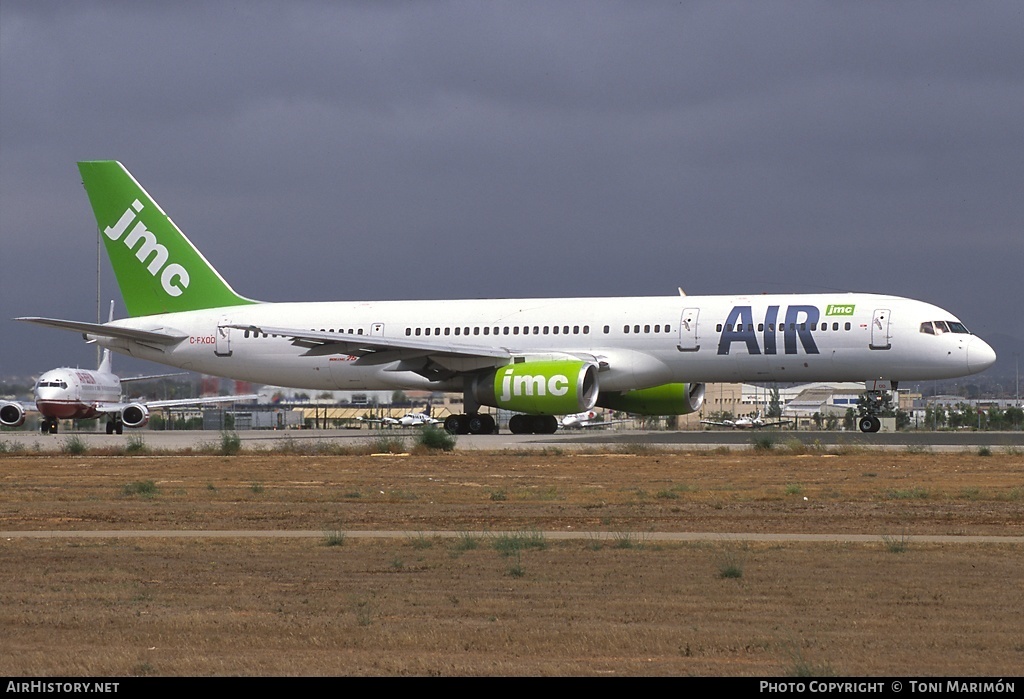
x=501, y=330
x=782, y=326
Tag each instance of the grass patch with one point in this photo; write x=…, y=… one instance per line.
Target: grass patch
x=800, y=666
x=135, y=444
x=388, y=444
x=637, y=449
x=146, y=489
x=984, y=451
x=515, y=567
x=230, y=443
x=11, y=447
x=907, y=494
x=363, y=610
x=334, y=538
x=628, y=540
x=731, y=561
x=498, y=496
x=73, y=445
x=794, y=489
x=762, y=442
x=465, y=541
x=896, y=544
x=509, y=544
x=421, y=542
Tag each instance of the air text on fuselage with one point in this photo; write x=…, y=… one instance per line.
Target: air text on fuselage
x=795, y=327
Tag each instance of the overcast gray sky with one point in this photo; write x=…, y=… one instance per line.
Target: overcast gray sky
x=387, y=150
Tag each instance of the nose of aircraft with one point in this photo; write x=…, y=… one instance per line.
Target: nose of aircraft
x=979, y=355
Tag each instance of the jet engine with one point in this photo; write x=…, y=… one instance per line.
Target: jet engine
x=11, y=414
x=667, y=399
x=135, y=415
x=559, y=387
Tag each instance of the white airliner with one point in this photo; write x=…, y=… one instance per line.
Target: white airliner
x=587, y=418
x=746, y=422
x=408, y=420
x=66, y=394
x=539, y=357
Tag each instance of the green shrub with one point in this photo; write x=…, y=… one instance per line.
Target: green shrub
x=435, y=439
x=74, y=445
x=230, y=443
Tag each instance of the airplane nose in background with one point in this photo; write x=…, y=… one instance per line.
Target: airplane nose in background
x=979, y=355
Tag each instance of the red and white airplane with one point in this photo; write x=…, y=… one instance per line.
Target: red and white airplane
x=66, y=394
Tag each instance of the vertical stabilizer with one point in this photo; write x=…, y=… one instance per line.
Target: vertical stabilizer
x=157, y=267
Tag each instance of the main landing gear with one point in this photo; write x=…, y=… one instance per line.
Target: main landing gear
x=115, y=425
x=48, y=425
x=480, y=423
x=532, y=424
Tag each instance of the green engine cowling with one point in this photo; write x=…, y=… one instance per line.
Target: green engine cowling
x=667, y=399
x=540, y=388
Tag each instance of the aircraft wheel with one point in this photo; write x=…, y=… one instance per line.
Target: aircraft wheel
x=869, y=424
x=54, y=422
x=480, y=424
x=547, y=424
x=517, y=424
x=455, y=424
x=119, y=427
x=110, y=427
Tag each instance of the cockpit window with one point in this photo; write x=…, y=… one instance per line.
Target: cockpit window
x=939, y=327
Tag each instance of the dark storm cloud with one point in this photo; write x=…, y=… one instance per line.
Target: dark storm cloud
x=392, y=150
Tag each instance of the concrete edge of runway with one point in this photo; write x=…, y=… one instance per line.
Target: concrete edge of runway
x=268, y=440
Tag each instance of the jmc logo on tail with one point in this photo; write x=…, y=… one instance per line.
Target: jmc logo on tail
x=174, y=278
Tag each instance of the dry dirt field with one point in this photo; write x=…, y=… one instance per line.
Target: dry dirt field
x=501, y=594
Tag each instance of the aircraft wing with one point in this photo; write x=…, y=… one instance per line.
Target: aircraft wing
x=379, y=420
x=777, y=423
x=600, y=423
x=717, y=423
x=368, y=346
x=105, y=407
x=238, y=398
x=150, y=377
x=157, y=337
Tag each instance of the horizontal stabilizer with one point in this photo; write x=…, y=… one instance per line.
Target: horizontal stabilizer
x=148, y=336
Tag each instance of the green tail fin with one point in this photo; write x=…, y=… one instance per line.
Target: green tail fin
x=157, y=267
